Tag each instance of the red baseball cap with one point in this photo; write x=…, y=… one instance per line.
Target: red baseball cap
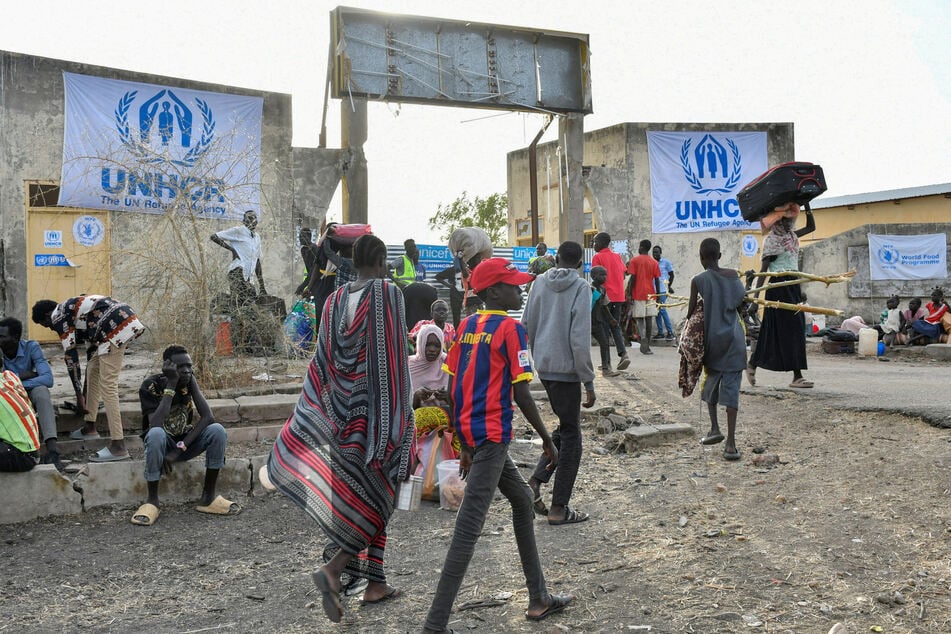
x=497, y=270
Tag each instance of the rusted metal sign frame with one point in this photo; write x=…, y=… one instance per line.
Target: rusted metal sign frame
x=412, y=59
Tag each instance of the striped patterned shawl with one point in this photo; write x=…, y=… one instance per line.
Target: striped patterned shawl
x=349, y=442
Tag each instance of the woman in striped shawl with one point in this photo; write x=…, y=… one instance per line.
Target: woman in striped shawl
x=349, y=442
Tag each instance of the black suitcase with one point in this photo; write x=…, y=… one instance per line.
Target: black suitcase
x=789, y=182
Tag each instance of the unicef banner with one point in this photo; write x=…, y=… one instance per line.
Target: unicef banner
x=695, y=177
x=923, y=257
x=146, y=148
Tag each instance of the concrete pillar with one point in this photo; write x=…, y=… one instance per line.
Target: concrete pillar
x=571, y=138
x=353, y=132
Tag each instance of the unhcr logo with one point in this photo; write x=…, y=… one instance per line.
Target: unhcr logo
x=709, y=167
x=163, y=128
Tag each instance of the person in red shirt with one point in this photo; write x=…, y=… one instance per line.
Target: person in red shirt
x=644, y=281
x=490, y=366
x=614, y=288
x=929, y=328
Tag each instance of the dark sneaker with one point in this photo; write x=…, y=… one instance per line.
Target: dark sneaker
x=623, y=362
x=52, y=457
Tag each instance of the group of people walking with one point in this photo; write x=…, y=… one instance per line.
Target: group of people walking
x=350, y=443
x=351, y=440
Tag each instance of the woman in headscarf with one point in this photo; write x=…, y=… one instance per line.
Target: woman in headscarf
x=425, y=367
x=350, y=439
x=781, y=346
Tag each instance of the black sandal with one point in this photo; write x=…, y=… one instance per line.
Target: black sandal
x=539, y=506
x=571, y=517
x=558, y=603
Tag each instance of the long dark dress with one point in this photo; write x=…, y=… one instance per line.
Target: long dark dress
x=781, y=345
x=349, y=441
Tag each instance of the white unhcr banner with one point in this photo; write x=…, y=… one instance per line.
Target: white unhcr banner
x=923, y=257
x=130, y=146
x=695, y=177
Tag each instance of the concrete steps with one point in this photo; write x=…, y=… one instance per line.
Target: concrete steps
x=239, y=410
x=44, y=491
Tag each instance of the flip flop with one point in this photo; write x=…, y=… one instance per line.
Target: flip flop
x=330, y=599
x=394, y=593
x=731, y=455
x=712, y=439
x=558, y=603
x=801, y=384
x=220, y=506
x=77, y=434
x=623, y=362
x=105, y=455
x=571, y=517
x=145, y=515
x=539, y=506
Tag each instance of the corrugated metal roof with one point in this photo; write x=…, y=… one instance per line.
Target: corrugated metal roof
x=874, y=197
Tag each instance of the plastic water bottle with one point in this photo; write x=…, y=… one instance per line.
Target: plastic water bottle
x=881, y=348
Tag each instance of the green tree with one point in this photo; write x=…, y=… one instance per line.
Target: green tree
x=490, y=214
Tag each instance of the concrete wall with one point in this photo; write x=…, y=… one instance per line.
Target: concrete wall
x=833, y=220
x=617, y=186
x=317, y=173
x=863, y=296
x=31, y=130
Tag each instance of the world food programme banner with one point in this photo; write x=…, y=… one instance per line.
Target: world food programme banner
x=695, y=177
x=131, y=146
x=923, y=257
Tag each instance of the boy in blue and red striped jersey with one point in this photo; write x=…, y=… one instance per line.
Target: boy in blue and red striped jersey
x=489, y=365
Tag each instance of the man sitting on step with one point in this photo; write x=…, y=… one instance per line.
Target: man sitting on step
x=24, y=357
x=169, y=401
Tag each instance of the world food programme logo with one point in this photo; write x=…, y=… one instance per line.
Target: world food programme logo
x=88, y=231
x=750, y=245
x=713, y=172
x=155, y=134
x=888, y=255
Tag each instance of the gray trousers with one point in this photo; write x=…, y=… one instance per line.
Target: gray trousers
x=45, y=415
x=491, y=468
x=212, y=441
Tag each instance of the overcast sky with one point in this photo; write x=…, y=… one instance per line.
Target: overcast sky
x=866, y=83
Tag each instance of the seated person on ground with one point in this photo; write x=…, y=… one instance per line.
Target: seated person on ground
x=854, y=324
x=888, y=329
x=907, y=317
x=431, y=409
x=425, y=365
x=439, y=311
x=928, y=329
x=169, y=401
x=19, y=432
x=24, y=358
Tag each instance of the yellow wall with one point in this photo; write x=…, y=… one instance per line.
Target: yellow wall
x=831, y=221
x=835, y=220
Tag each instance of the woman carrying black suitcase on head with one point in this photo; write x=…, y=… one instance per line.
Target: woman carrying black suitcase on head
x=781, y=345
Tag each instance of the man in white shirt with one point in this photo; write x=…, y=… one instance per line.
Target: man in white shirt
x=245, y=247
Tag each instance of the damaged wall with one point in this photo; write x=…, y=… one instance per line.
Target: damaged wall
x=617, y=188
x=862, y=295
x=317, y=173
x=31, y=128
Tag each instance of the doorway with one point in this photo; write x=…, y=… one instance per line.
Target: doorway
x=68, y=251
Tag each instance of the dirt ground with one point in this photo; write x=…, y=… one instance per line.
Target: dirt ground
x=853, y=524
